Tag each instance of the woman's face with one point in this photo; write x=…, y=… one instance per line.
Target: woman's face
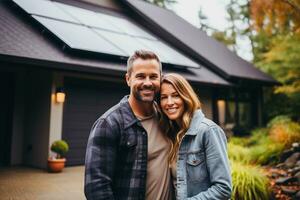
x=171, y=102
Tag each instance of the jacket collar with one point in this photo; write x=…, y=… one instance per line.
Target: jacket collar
x=126, y=113
x=196, y=120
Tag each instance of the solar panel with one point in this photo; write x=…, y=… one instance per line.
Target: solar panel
x=79, y=37
x=44, y=8
x=87, y=17
x=126, y=26
x=176, y=57
x=168, y=54
x=125, y=42
x=98, y=32
x=130, y=43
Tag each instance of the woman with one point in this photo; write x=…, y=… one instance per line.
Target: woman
x=198, y=157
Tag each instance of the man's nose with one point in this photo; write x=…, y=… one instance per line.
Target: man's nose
x=147, y=81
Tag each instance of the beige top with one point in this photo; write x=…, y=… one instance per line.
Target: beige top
x=158, y=185
x=173, y=172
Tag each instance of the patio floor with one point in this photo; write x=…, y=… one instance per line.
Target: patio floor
x=35, y=184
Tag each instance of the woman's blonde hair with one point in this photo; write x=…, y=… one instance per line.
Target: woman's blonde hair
x=173, y=131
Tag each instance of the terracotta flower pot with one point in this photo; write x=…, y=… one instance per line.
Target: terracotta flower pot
x=56, y=165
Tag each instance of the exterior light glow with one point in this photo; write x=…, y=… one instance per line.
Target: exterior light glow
x=60, y=95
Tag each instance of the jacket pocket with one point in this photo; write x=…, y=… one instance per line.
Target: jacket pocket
x=130, y=141
x=196, y=169
x=128, y=149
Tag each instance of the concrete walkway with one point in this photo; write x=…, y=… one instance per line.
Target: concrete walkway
x=34, y=184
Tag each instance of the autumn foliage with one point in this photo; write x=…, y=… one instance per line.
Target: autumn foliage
x=276, y=15
x=285, y=133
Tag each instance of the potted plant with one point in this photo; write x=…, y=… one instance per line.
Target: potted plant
x=57, y=163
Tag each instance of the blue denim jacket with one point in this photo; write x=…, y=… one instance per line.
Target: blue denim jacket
x=203, y=170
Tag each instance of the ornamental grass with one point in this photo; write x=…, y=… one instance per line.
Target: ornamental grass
x=249, y=182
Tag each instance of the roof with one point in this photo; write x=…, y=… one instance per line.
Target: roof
x=22, y=42
x=104, y=34
x=207, y=50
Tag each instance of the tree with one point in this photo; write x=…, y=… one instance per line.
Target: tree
x=203, y=21
x=276, y=16
x=277, y=39
x=282, y=62
x=226, y=37
x=234, y=16
x=239, y=25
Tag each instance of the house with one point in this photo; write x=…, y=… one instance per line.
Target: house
x=82, y=46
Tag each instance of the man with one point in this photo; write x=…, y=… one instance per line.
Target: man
x=126, y=155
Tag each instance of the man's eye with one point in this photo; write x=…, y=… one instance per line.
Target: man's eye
x=154, y=77
x=139, y=76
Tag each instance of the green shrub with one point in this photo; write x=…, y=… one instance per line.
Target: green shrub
x=281, y=119
x=60, y=147
x=238, y=153
x=258, y=136
x=263, y=146
x=265, y=153
x=249, y=183
x=241, y=141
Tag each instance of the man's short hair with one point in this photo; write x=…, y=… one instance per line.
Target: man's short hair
x=143, y=54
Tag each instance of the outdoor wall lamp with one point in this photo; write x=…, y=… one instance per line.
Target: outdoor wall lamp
x=222, y=111
x=60, y=95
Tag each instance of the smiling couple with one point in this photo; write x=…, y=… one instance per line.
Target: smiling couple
x=156, y=150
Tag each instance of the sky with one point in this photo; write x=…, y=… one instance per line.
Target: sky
x=215, y=11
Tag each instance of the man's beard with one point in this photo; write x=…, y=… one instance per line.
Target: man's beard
x=138, y=94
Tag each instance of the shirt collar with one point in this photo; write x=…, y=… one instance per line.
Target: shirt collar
x=197, y=118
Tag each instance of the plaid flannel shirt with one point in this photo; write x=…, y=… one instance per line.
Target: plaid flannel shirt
x=116, y=156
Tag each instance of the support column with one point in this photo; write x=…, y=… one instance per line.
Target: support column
x=56, y=111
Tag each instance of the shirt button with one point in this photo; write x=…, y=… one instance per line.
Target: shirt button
x=128, y=143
